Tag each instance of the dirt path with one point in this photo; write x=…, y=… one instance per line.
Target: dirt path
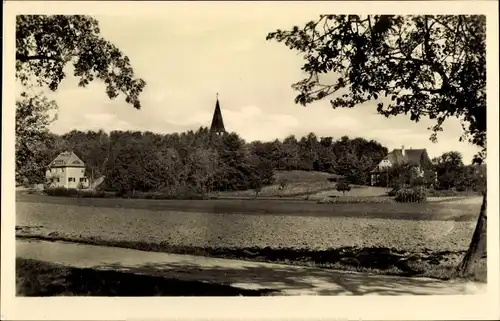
x=288, y=280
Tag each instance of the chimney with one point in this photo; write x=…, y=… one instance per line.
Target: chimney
x=403, y=149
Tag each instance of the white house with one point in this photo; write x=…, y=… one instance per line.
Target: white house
x=67, y=170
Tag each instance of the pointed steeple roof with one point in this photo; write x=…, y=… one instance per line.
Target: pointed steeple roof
x=217, y=122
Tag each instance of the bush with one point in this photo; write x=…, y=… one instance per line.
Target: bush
x=357, y=200
x=282, y=183
x=62, y=191
x=93, y=193
x=333, y=179
x=343, y=186
x=186, y=194
x=393, y=192
x=410, y=195
x=73, y=192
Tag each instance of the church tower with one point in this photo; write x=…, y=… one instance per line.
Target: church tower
x=217, y=126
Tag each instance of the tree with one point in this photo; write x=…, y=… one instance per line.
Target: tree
x=343, y=186
x=326, y=155
x=290, y=157
x=46, y=44
x=202, y=166
x=33, y=117
x=399, y=175
x=421, y=66
x=450, y=169
x=261, y=171
x=355, y=158
x=282, y=184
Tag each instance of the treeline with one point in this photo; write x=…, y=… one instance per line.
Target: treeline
x=199, y=162
x=351, y=158
x=453, y=174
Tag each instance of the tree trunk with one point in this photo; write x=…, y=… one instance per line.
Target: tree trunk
x=477, y=247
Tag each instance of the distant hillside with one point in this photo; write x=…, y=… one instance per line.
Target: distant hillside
x=297, y=183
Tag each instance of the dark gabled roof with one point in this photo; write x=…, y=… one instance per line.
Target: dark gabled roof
x=396, y=157
x=67, y=159
x=414, y=156
x=217, y=122
x=411, y=156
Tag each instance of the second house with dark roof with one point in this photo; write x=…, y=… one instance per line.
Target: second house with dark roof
x=416, y=157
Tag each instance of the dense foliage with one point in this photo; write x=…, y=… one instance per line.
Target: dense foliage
x=46, y=44
x=200, y=163
x=352, y=158
x=453, y=174
x=34, y=113
x=197, y=163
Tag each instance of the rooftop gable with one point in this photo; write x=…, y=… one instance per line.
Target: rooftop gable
x=396, y=157
x=411, y=156
x=67, y=159
x=414, y=155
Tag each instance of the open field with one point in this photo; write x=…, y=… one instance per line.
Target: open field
x=421, y=239
x=240, y=230
x=35, y=278
x=460, y=210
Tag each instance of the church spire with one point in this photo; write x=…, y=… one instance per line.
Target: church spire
x=217, y=122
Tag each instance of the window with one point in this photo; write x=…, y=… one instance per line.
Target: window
x=82, y=179
x=57, y=180
x=71, y=179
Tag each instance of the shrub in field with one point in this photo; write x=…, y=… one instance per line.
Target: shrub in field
x=282, y=183
x=62, y=191
x=332, y=179
x=93, y=193
x=393, y=192
x=410, y=195
x=73, y=192
x=357, y=200
x=343, y=186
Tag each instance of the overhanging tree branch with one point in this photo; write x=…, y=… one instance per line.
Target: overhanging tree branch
x=26, y=58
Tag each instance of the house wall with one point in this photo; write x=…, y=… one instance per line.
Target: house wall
x=384, y=163
x=57, y=174
x=68, y=177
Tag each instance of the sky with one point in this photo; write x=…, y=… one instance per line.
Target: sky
x=186, y=58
